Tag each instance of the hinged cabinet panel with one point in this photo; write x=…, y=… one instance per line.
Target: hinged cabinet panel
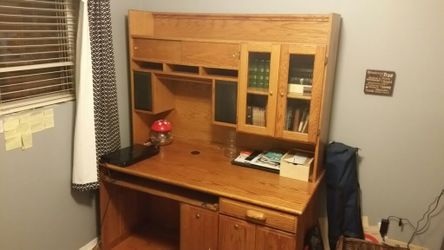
x=257, y=88
x=280, y=90
x=157, y=50
x=208, y=54
x=198, y=228
x=235, y=234
x=301, y=80
x=269, y=239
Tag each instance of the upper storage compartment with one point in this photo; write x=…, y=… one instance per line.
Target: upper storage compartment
x=211, y=54
x=267, y=75
x=208, y=54
x=157, y=50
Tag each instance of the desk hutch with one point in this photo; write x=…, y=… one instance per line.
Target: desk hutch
x=211, y=75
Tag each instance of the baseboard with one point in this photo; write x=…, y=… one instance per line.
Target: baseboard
x=90, y=245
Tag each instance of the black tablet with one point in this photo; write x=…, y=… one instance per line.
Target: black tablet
x=130, y=155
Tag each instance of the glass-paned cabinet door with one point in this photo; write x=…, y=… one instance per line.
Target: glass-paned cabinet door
x=257, y=88
x=301, y=91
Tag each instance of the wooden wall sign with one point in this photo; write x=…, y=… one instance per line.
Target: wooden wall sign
x=379, y=82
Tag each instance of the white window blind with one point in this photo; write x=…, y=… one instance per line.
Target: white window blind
x=37, y=43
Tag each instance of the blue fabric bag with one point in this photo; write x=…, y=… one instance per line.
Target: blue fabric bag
x=343, y=193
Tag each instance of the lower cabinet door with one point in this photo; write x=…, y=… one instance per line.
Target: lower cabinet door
x=270, y=239
x=235, y=234
x=198, y=228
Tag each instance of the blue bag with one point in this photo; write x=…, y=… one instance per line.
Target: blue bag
x=343, y=193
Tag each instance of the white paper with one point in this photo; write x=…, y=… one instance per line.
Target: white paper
x=297, y=159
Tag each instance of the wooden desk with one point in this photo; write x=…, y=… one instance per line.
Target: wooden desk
x=161, y=189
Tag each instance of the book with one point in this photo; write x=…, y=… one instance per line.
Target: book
x=264, y=116
x=249, y=115
x=301, y=122
x=266, y=160
x=258, y=116
x=272, y=156
x=289, y=118
x=296, y=119
x=305, y=126
x=255, y=115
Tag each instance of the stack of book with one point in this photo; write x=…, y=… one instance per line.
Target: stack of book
x=266, y=160
x=258, y=73
x=256, y=115
x=300, y=80
x=297, y=118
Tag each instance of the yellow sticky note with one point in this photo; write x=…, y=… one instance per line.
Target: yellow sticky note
x=37, y=126
x=48, y=122
x=26, y=141
x=48, y=112
x=13, y=143
x=11, y=133
x=48, y=118
x=25, y=118
x=23, y=128
x=37, y=116
x=10, y=123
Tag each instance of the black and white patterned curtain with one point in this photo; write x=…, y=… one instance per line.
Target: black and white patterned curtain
x=102, y=89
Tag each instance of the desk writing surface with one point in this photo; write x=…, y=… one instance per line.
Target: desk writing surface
x=211, y=172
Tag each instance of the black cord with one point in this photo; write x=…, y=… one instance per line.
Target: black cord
x=401, y=221
x=426, y=216
x=424, y=228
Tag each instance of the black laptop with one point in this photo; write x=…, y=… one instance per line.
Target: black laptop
x=130, y=155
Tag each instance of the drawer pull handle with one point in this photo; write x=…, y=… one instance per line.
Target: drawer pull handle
x=256, y=216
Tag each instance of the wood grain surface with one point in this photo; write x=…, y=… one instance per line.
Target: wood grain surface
x=211, y=172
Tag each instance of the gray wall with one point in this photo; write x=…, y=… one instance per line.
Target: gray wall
x=38, y=209
x=400, y=137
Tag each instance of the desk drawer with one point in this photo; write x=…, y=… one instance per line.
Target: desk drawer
x=258, y=215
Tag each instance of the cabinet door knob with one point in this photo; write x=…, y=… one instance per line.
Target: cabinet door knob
x=236, y=226
x=136, y=48
x=197, y=216
x=271, y=93
x=282, y=93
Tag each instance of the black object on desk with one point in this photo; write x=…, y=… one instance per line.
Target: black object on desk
x=130, y=155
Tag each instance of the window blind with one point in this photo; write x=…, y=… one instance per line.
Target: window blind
x=37, y=50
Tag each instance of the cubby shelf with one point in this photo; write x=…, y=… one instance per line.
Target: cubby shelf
x=150, y=238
